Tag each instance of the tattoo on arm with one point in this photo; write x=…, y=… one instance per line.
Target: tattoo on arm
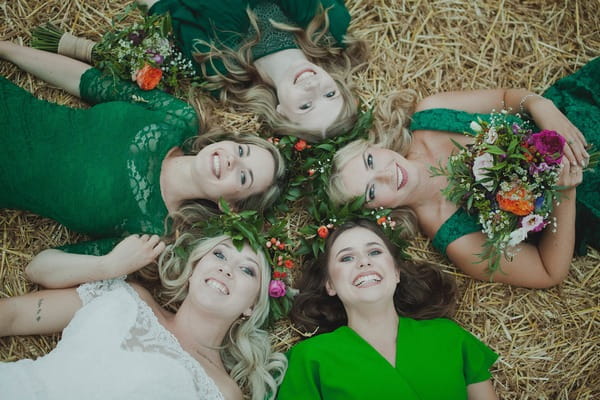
x=38, y=313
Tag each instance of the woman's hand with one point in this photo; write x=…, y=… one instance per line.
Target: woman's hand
x=132, y=253
x=571, y=175
x=547, y=116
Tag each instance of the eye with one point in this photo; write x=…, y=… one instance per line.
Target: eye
x=330, y=94
x=240, y=151
x=219, y=254
x=346, y=258
x=375, y=252
x=370, y=161
x=371, y=193
x=248, y=271
x=243, y=177
x=306, y=106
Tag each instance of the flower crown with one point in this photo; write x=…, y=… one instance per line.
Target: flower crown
x=272, y=240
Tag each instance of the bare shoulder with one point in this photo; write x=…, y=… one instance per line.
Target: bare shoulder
x=147, y=297
x=228, y=387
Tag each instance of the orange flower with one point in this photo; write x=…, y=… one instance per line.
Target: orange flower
x=381, y=220
x=323, y=232
x=517, y=200
x=300, y=145
x=148, y=77
x=311, y=172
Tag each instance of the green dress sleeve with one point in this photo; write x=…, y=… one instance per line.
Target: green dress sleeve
x=301, y=377
x=478, y=358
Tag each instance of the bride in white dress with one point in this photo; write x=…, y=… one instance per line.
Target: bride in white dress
x=119, y=343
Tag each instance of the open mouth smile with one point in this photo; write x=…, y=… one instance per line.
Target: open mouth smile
x=367, y=280
x=401, y=177
x=304, y=74
x=217, y=285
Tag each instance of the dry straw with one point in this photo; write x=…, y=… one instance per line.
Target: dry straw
x=549, y=340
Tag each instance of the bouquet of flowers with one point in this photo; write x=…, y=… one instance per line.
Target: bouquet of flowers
x=144, y=52
x=509, y=178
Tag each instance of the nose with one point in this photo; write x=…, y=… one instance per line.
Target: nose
x=364, y=262
x=230, y=161
x=383, y=176
x=225, y=270
x=310, y=83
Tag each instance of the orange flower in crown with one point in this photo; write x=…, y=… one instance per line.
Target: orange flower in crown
x=516, y=200
x=148, y=77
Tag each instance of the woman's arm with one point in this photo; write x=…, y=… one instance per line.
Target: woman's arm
x=481, y=391
x=543, y=111
x=58, y=70
x=541, y=266
x=38, y=313
x=56, y=269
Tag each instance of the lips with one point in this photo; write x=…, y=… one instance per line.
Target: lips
x=401, y=177
x=219, y=286
x=216, y=165
x=304, y=74
x=367, y=279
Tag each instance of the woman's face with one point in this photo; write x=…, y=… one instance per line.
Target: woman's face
x=309, y=97
x=361, y=269
x=382, y=176
x=226, y=280
x=234, y=171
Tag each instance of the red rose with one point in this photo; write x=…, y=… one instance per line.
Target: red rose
x=288, y=264
x=311, y=172
x=300, y=145
x=323, y=232
x=148, y=77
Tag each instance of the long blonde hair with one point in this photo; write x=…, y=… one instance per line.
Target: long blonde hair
x=389, y=131
x=243, y=86
x=246, y=351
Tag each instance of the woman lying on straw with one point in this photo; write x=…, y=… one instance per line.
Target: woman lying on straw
x=118, y=342
x=514, y=180
x=380, y=328
x=289, y=61
x=123, y=165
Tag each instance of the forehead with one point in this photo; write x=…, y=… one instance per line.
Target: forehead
x=354, y=238
x=262, y=164
x=245, y=252
x=354, y=176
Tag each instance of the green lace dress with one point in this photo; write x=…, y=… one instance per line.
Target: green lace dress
x=94, y=170
x=578, y=97
x=226, y=23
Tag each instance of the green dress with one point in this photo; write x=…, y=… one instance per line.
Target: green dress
x=94, y=170
x=435, y=359
x=225, y=23
x=578, y=97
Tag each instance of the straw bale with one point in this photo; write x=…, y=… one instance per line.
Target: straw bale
x=548, y=340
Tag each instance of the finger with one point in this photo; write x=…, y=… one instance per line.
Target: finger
x=154, y=239
x=159, y=248
x=569, y=156
x=145, y=237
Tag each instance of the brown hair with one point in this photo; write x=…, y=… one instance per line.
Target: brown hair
x=424, y=291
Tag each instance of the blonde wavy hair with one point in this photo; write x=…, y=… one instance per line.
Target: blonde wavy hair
x=243, y=86
x=246, y=350
x=389, y=131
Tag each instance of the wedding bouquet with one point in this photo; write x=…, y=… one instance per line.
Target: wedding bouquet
x=144, y=52
x=508, y=177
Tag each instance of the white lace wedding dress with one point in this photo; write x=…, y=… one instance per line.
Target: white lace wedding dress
x=114, y=348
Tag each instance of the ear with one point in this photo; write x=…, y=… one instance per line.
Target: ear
x=278, y=109
x=248, y=312
x=329, y=288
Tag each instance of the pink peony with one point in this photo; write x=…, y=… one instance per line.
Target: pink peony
x=533, y=223
x=549, y=144
x=276, y=288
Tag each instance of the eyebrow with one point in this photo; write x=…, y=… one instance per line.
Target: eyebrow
x=364, y=158
x=247, y=150
x=251, y=178
x=369, y=244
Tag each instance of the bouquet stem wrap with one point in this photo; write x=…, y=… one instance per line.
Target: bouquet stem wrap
x=76, y=47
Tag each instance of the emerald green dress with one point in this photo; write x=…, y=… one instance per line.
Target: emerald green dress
x=225, y=23
x=94, y=170
x=578, y=97
x=435, y=359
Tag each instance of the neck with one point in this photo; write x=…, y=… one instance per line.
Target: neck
x=200, y=334
x=364, y=319
x=272, y=67
x=428, y=189
x=177, y=183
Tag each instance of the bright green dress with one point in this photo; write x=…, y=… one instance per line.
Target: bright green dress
x=435, y=359
x=578, y=97
x=226, y=23
x=94, y=170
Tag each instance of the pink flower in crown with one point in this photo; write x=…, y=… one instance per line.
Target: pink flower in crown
x=549, y=144
x=533, y=223
x=276, y=288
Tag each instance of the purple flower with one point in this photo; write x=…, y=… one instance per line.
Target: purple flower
x=136, y=37
x=276, y=288
x=157, y=58
x=535, y=169
x=516, y=128
x=549, y=144
x=533, y=223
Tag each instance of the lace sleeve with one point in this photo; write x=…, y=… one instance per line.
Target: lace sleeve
x=96, y=87
x=89, y=291
x=91, y=247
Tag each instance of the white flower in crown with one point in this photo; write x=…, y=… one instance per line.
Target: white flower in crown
x=480, y=165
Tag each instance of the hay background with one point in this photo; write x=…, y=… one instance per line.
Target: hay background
x=549, y=340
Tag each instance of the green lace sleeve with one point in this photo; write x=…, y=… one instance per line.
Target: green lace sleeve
x=459, y=224
x=92, y=247
x=96, y=87
x=445, y=119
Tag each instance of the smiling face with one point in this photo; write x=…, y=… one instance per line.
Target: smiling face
x=361, y=269
x=309, y=97
x=382, y=176
x=227, y=280
x=234, y=171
